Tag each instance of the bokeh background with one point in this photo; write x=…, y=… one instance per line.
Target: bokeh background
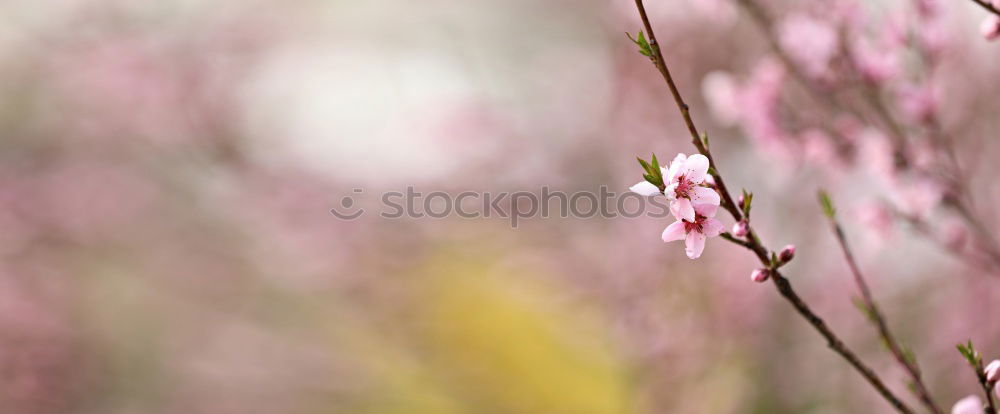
x=167, y=171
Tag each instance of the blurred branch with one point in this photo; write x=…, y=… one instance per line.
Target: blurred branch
x=987, y=244
x=987, y=6
x=753, y=243
x=872, y=310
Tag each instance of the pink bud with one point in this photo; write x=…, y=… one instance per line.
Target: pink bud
x=741, y=229
x=968, y=405
x=760, y=275
x=787, y=254
x=992, y=371
x=739, y=201
x=710, y=180
x=990, y=28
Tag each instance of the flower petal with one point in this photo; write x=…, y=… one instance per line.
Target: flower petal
x=704, y=195
x=674, y=232
x=671, y=191
x=711, y=227
x=695, y=168
x=675, y=166
x=706, y=210
x=694, y=244
x=682, y=209
x=645, y=188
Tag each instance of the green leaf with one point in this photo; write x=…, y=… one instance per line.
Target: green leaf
x=643, y=163
x=824, y=201
x=970, y=353
x=863, y=307
x=640, y=40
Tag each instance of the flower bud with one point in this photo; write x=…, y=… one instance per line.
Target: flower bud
x=990, y=28
x=992, y=371
x=760, y=275
x=739, y=201
x=741, y=229
x=968, y=405
x=787, y=254
x=710, y=180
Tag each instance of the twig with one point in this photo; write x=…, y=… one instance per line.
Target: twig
x=988, y=6
x=753, y=243
x=876, y=316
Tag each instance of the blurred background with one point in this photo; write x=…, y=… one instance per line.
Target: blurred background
x=167, y=171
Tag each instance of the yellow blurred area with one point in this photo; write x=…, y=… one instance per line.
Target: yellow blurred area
x=489, y=342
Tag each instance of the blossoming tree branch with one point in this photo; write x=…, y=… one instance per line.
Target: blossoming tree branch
x=696, y=190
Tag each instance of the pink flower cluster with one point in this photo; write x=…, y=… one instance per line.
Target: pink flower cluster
x=692, y=202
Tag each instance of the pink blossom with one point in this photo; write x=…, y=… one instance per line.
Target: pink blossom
x=955, y=235
x=817, y=147
x=787, y=254
x=992, y=371
x=760, y=275
x=810, y=41
x=759, y=99
x=876, y=217
x=918, y=196
x=990, y=28
x=695, y=232
x=741, y=228
x=876, y=65
x=721, y=94
x=968, y=405
x=683, y=180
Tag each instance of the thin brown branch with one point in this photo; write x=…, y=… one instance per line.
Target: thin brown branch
x=875, y=314
x=987, y=6
x=753, y=243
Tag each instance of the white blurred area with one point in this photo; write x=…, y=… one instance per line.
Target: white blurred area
x=420, y=93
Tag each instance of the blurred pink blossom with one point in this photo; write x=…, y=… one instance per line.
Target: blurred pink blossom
x=810, y=41
x=919, y=102
x=990, y=27
x=992, y=371
x=968, y=405
x=720, y=92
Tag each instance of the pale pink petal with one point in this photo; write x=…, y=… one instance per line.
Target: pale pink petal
x=645, y=188
x=990, y=28
x=671, y=191
x=968, y=405
x=673, y=232
x=675, y=166
x=704, y=195
x=706, y=210
x=682, y=209
x=694, y=244
x=695, y=168
x=711, y=227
